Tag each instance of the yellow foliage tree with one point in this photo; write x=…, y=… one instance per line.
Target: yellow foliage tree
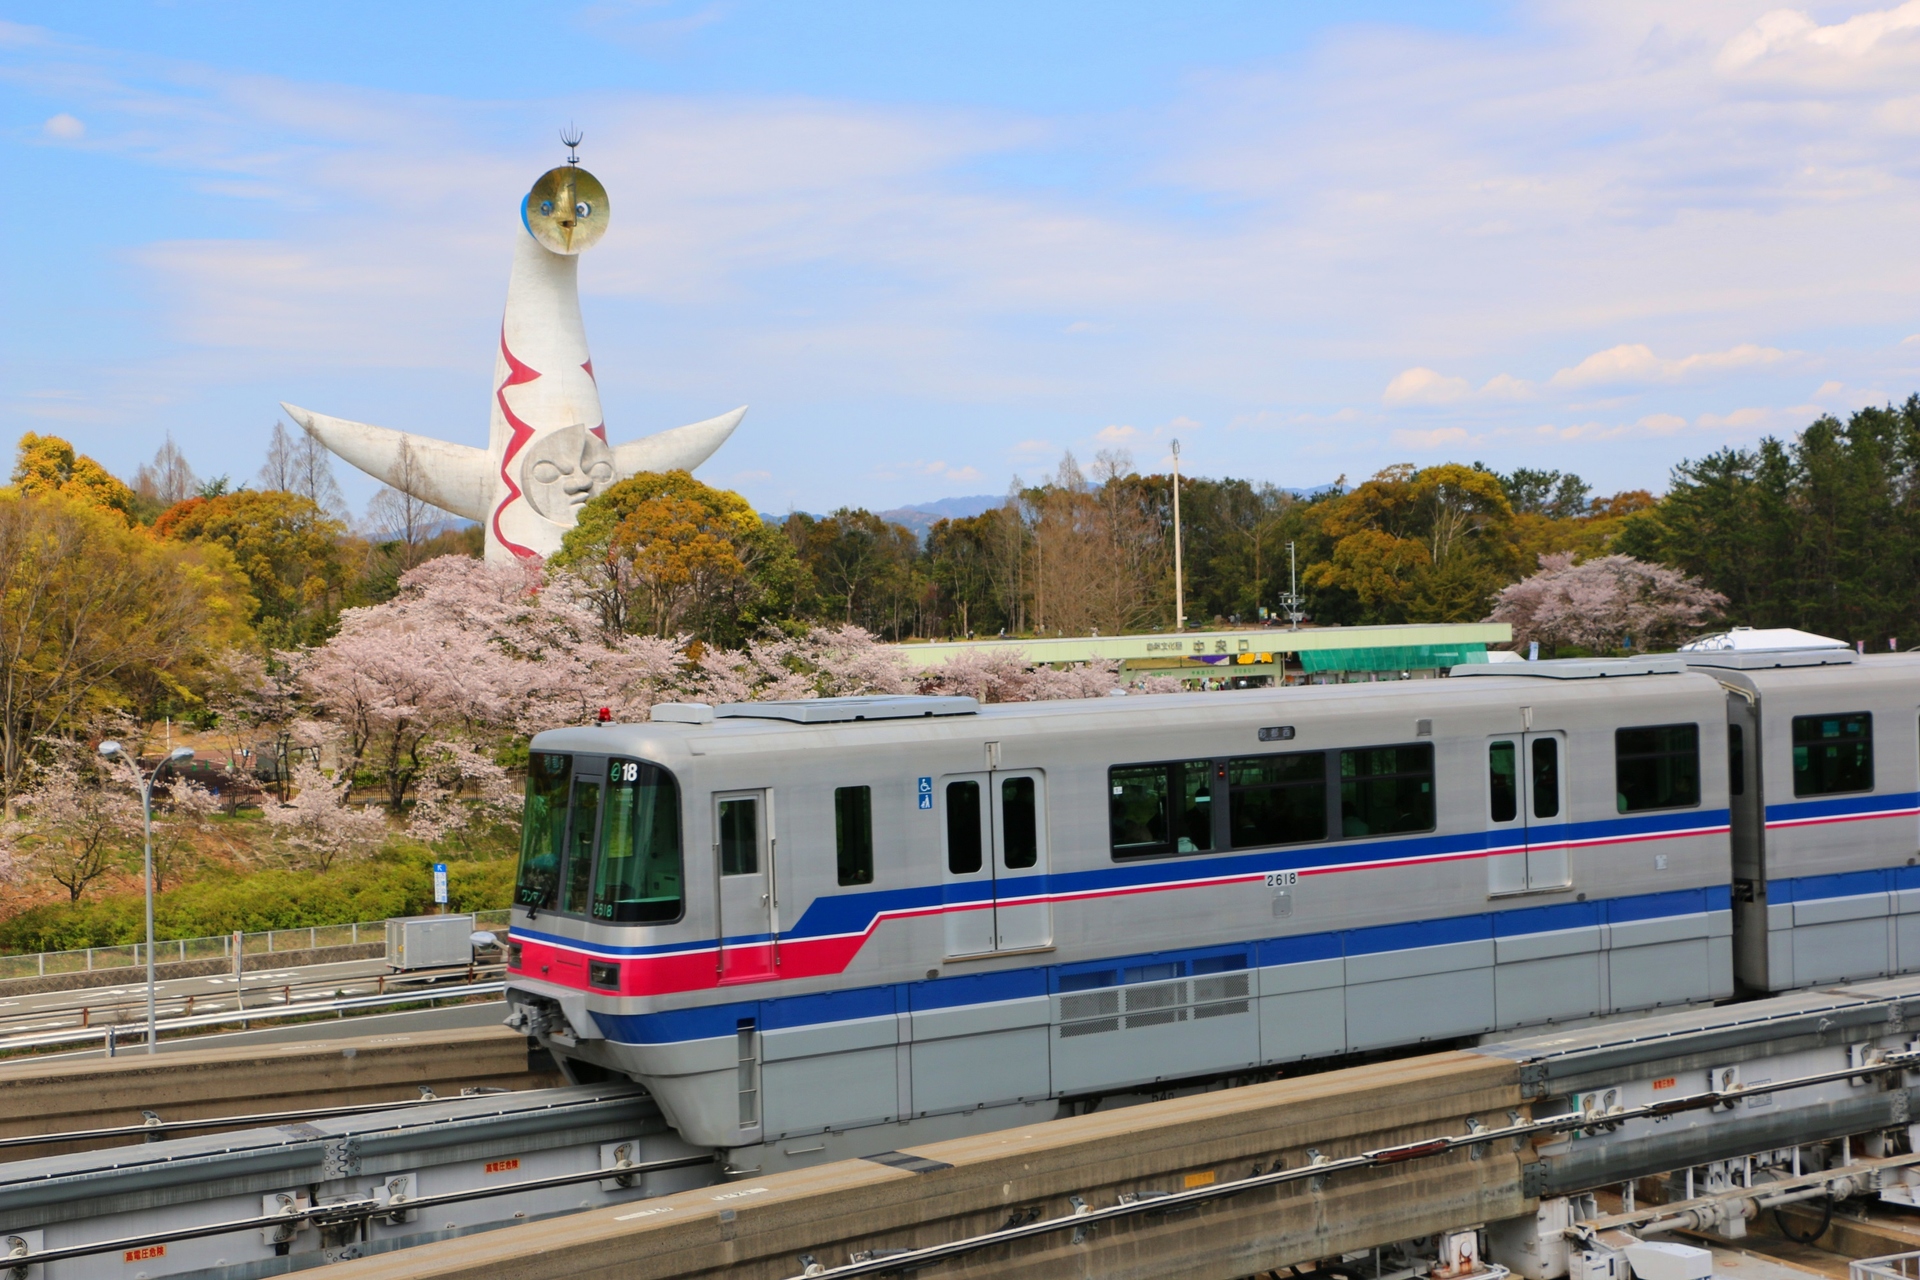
x=48, y=464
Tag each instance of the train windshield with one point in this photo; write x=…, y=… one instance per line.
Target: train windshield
x=543, y=830
x=638, y=879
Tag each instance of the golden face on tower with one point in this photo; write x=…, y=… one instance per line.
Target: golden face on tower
x=567, y=209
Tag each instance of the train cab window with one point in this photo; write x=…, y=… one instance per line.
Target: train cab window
x=1832, y=754
x=739, y=836
x=1280, y=799
x=1546, y=777
x=853, y=834
x=583, y=826
x=1657, y=767
x=543, y=830
x=1155, y=809
x=639, y=878
x=1503, y=781
x=1386, y=791
x=963, y=828
x=1736, y=760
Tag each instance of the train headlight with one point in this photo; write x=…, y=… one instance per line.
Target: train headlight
x=513, y=955
x=603, y=973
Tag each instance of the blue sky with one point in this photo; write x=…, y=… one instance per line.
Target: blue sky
x=935, y=246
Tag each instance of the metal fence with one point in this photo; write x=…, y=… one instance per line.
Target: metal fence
x=1894, y=1266
x=40, y=964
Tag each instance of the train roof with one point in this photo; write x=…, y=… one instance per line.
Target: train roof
x=908, y=717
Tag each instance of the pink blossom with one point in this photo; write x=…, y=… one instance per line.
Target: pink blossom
x=1597, y=605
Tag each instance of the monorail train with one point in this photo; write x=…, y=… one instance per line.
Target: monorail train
x=823, y=929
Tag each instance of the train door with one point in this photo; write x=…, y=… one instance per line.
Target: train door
x=966, y=877
x=1023, y=917
x=994, y=879
x=744, y=877
x=1526, y=802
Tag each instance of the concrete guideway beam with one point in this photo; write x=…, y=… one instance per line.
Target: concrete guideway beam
x=39, y=1096
x=759, y=1227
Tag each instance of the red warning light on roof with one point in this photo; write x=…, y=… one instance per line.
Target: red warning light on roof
x=605, y=716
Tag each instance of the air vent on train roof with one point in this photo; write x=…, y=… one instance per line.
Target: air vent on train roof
x=1579, y=668
x=904, y=706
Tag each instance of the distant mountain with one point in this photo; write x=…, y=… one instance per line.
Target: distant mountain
x=920, y=516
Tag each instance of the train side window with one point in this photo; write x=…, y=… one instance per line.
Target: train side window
x=1279, y=799
x=1503, y=781
x=1160, y=808
x=853, y=834
x=543, y=830
x=1020, y=819
x=740, y=837
x=1546, y=777
x=963, y=828
x=584, y=823
x=1386, y=791
x=1656, y=767
x=639, y=877
x=1832, y=753
x=1736, y=760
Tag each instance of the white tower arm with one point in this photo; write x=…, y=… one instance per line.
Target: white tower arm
x=681, y=449
x=456, y=478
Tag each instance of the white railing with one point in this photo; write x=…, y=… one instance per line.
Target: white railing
x=1894, y=1266
x=113, y=1036
x=44, y=963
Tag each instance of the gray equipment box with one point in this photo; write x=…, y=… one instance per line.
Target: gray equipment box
x=429, y=942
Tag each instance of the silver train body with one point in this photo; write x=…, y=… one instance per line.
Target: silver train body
x=824, y=929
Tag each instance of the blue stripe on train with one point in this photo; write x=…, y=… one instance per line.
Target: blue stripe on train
x=848, y=913
x=1845, y=807
x=709, y=1021
x=1844, y=884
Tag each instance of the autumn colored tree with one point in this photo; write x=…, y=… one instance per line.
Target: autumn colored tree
x=659, y=554
x=288, y=548
x=96, y=616
x=48, y=464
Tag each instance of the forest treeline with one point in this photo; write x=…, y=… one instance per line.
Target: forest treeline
x=118, y=597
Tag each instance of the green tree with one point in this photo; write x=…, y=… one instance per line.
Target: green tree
x=288, y=548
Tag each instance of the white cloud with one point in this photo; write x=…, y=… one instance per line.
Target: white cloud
x=1662, y=424
x=1117, y=434
x=1423, y=386
x=64, y=128
x=1636, y=363
x=1790, y=34
x=1438, y=438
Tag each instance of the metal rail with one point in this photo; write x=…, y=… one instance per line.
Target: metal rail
x=154, y=1128
x=326, y=1215
x=1519, y=1131
x=108, y=1034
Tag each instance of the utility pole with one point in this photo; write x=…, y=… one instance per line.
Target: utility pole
x=1292, y=597
x=1179, y=584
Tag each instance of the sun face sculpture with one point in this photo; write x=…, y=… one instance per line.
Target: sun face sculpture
x=547, y=453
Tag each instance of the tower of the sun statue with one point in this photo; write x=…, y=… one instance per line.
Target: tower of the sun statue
x=547, y=452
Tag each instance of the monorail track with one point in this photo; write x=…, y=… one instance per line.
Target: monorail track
x=1219, y=1184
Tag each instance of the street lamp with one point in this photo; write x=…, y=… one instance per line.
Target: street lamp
x=114, y=751
x=1179, y=587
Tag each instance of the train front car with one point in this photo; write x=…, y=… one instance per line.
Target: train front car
x=829, y=928
x=1826, y=815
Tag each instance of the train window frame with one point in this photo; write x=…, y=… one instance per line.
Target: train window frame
x=1736, y=759
x=1175, y=777
x=853, y=835
x=1503, y=788
x=1356, y=782
x=1312, y=781
x=1543, y=775
x=963, y=820
x=538, y=868
x=1622, y=801
x=1803, y=784
x=664, y=822
x=729, y=844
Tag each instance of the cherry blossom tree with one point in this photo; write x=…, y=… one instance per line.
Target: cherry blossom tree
x=1600, y=603
x=76, y=821
x=318, y=826
x=461, y=788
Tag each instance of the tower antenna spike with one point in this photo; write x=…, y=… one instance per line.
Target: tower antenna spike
x=572, y=137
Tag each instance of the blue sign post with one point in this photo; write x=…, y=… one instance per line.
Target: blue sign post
x=926, y=793
x=440, y=884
